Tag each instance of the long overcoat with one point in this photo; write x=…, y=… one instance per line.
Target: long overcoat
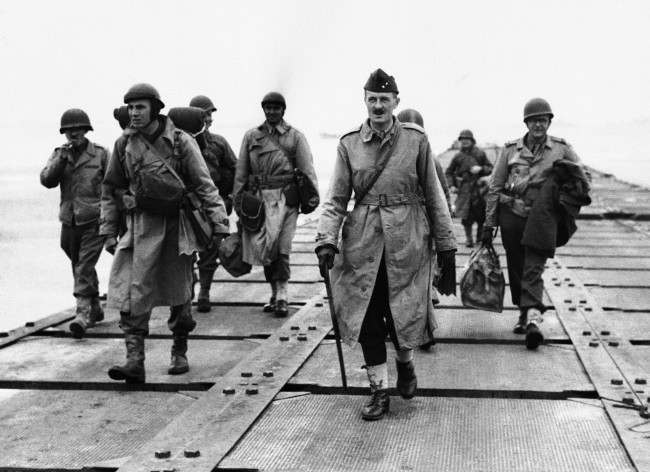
x=458, y=175
x=265, y=156
x=407, y=235
x=153, y=260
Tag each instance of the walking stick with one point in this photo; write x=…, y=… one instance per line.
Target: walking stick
x=335, y=324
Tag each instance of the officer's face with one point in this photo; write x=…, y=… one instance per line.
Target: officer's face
x=538, y=126
x=207, y=118
x=273, y=113
x=75, y=136
x=466, y=143
x=380, y=107
x=139, y=113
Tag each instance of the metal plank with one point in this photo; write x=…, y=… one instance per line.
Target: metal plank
x=477, y=369
x=71, y=429
x=584, y=321
x=595, y=261
x=221, y=320
x=258, y=293
x=467, y=325
x=632, y=299
x=37, y=360
x=31, y=327
x=324, y=433
x=614, y=278
x=453, y=301
x=299, y=274
x=214, y=423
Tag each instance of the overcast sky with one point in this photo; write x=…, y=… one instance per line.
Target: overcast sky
x=462, y=64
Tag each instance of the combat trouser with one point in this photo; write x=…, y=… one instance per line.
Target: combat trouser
x=83, y=245
x=525, y=265
x=180, y=321
x=207, y=265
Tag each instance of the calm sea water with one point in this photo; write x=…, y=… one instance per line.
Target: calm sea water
x=35, y=275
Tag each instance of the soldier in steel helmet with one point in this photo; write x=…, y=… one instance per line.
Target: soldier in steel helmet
x=381, y=268
x=153, y=259
x=519, y=173
x=268, y=156
x=463, y=175
x=221, y=162
x=78, y=167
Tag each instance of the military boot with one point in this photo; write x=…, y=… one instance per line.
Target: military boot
x=205, y=280
x=81, y=321
x=270, y=306
x=96, y=311
x=281, y=305
x=179, y=364
x=469, y=242
x=378, y=404
x=407, y=382
x=520, y=327
x=133, y=371
x=534, y=336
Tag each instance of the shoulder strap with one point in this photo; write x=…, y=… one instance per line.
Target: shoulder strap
x=382, y=162
x=166, y=164
x=290, y=155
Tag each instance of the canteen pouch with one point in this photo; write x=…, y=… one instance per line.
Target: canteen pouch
x=482, y=284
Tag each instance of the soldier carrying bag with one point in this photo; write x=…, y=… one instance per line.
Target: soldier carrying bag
x=250, y=207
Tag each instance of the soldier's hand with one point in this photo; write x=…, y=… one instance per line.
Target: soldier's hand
x=447, y=264
x=475, y=169
x=110, y=244
x=488, y=235
x=325, y=258
x=217, y=238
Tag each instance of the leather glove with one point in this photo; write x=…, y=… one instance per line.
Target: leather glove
x=447, y=264
x=110, y=243
x=325, y=258
x=488, y=235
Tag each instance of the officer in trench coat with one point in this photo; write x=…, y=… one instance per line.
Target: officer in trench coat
x=267, y=157
x=78, y=167
x=519, y=173
x=382, y=267
x=221, y=162
x=153, y=259
x=463, y=175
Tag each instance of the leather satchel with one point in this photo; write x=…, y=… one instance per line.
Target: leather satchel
x=483, y=285
x=230, y=255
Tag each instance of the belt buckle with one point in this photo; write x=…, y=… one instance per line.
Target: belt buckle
x=383, y=200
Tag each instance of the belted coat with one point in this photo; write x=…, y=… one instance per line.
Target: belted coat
x=153, y=259
x=404, y=218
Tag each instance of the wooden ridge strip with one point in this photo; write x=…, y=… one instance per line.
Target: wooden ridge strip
x=210, y=427
x=590, y=331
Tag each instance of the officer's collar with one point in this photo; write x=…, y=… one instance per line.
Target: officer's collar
x=367, y=132
x=521, y=143
x=281, y=127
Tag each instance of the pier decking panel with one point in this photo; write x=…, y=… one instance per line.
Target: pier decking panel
x=52, y=359
x=485, y=368
x=324, y=433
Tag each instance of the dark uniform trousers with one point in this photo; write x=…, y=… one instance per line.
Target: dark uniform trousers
x=207, y=265
x=279, y=269
x=83, y=245
x=525, y=265
x=378, y=322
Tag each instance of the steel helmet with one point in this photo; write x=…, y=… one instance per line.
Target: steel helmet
x=189, y=119
x=466, y=134
x=143, y=91
x=203, y=102
x=411, y=116
x=121, y=114
x=274, y=98
x=537, y=107
x=74, y=118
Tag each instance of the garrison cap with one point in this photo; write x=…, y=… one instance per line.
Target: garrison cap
x=274, y=98
x=380, y=81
